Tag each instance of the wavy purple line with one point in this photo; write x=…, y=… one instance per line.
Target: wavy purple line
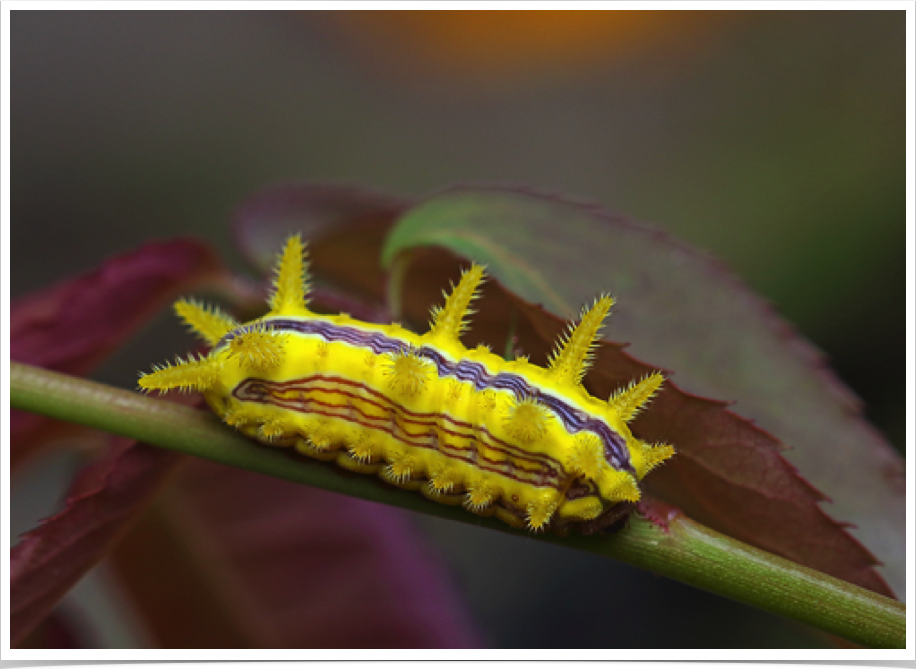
x=574, y=420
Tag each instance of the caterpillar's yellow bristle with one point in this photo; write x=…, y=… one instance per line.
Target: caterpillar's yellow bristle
x=573, y=355
x=408, y=373
x=361, y=448
x=230, y=412
x=480, y=494
x=540, y=513
x=258, y=348
x=400, y=468
x=629, y=401
x=306, y=447
x=347, y=461
x=650, y=456
x=444, y=480
x=233, y=418
x=271, y=429
x=291, y=284
x=527, y=420
x=586, y=458
x=318, y=432
x=184, y=375
x=209, y=323
x=450, y=321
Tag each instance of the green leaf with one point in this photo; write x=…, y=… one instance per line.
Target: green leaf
x=684, y=312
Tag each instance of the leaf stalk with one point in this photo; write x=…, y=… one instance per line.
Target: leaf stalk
x=685, y=551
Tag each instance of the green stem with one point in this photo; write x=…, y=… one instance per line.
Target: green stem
x=685, y=550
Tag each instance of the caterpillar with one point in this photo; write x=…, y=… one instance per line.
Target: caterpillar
x=526, y=443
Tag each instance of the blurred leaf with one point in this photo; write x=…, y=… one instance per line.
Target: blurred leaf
x=71, y=326
x=687, y=314
x=344, y=226
x=271, y=564
x=502, y=46
x=104, y=500
x=57, y=630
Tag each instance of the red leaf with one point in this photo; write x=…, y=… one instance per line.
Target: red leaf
x=71, y=326
x=686, y=313
x=58, y=630
x=288, y=566
x=50, y=559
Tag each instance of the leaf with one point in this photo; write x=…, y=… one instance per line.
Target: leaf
x=71, y=326
x=104, y=500
x=58, y=630
x=686, y=313
x=345, y=227
x=282, y=565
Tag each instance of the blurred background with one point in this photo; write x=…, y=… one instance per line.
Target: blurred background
x=775, y=140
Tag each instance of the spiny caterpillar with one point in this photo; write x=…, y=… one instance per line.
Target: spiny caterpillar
x=526, y=443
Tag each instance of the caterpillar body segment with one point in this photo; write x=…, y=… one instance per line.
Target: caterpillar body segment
x=507, y=438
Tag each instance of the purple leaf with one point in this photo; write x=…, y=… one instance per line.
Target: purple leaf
x=288, y=566
x=105, y=499
x=71, y=326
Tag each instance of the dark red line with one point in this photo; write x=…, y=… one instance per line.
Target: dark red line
x=455, y=454
x=551, y=473
x=389, y=405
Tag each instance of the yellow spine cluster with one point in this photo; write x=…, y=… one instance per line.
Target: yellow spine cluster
x=574, y=355
x=451, y=321
x=291, y=286
x=209, y=323
x=184, y=375
x=629, y=401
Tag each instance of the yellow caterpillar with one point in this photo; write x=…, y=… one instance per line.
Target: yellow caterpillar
x=423, y=412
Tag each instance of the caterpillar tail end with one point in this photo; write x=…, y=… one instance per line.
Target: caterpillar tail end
x=649, y=456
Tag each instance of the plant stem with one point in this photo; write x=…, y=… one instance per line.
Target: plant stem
x=685, y=550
